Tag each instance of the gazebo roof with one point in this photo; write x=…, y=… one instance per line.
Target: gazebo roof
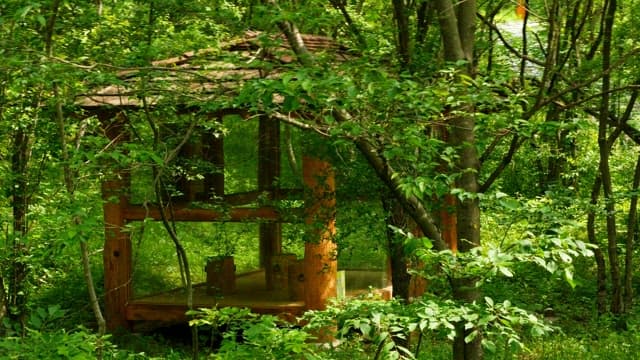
x=198, y=76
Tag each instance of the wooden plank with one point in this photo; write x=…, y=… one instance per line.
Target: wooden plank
x=170, y=306
x=183, y=213
x=250, y=293
x=248, y=197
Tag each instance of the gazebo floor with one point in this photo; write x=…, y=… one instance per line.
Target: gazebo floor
x=250, y=292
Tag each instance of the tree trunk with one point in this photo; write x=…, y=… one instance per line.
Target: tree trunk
x=17, y=294
x=631, y=235
x=605, y=173
x=468, y=226
x=402, y=24
x=457, y=31
x=398, y=262
x=601, y=269
x=68, y=174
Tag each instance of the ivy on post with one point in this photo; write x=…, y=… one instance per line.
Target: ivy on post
x=320, y=252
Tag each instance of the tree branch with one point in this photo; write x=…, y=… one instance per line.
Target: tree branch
x=515, y=145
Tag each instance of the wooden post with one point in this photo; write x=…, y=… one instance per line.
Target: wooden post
x=213, y=152
x=320, y=251
x=296, y=280
x=116, y=255
x=280, y=269
x=190, y=187
x=268, y=174
x=117, y=244
x=221, y=275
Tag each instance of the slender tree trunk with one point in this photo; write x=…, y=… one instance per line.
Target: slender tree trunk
x=402, y=24
x=605, y=173
x=631, y=236
x=424, y=14
x=68, y=173
x=76, y=221
x=17, y=297
x=340, y=5
x=525, y=50
x=601, y=268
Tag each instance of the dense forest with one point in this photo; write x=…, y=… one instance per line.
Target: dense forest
x=477, y=157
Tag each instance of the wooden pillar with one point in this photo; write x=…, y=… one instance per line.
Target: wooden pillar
x=320, y=251
x=190, y=188
x=268, y=173
x=117, y=245
x=116, y=255
x=213, y=152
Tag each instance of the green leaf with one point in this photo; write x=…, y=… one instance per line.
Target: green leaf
x=472, y=335
x=365, y=328
x=489, y=345
x=489, y=301
x=568, y=275
x=551, y=266
x=510, y=204
x=505, y=271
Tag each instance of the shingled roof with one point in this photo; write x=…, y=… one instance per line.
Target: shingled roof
x=198, y=76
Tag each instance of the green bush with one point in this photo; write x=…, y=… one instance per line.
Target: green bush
x=59, y=344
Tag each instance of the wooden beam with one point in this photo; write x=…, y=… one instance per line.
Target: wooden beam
x=248, y=197
x=183, y=213
x=137, y=311
x=320, y=252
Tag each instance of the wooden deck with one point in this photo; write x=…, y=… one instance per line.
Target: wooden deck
x=250, y=293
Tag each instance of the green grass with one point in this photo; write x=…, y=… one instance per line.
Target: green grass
x=624, y=345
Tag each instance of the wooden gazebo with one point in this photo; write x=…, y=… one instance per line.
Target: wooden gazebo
x=205, y=75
